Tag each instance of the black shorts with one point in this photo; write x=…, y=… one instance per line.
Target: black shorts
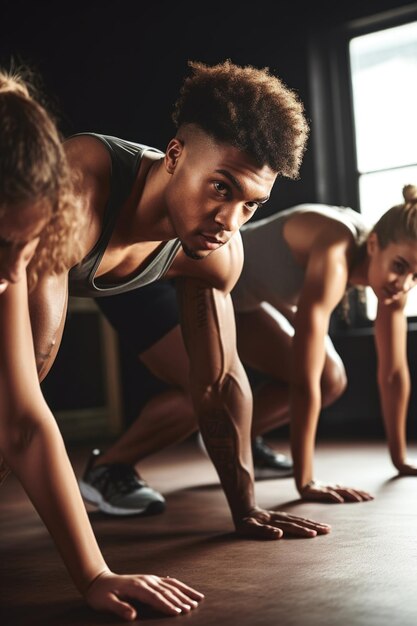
x=142, y=316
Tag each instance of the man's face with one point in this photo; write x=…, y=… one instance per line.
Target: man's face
x=214, y=189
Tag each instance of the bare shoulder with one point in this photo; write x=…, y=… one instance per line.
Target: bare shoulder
x=90, y=168
x=308, y=231
x=88, y=153
x=221, y=269
x=90, y=164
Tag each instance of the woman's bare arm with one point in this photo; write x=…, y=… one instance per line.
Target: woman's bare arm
x=394, y=380
x=32, y=447
x=325, y=283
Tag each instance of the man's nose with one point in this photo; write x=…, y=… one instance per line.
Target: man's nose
x=229, y=217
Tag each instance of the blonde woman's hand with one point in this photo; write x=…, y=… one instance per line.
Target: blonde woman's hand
x=319, y=492
x=407, y=469
x=116, y=593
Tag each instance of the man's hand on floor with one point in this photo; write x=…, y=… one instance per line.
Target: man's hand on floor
x=261, y=524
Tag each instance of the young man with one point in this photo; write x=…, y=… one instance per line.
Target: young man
x=151, y=215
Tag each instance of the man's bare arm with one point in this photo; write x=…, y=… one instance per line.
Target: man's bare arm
x=223, y=402
x=220, y=388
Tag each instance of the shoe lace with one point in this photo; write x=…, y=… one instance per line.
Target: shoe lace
x=121, y=478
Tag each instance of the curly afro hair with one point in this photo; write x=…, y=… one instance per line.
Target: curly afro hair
x=248, y=108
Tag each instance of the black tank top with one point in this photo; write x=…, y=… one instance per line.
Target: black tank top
x=126, y=157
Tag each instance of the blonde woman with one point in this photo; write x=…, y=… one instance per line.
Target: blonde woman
x=298, y=266
x=39, y=224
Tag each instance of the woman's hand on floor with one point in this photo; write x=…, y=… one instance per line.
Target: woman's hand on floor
x=113, y=592
x=261, y=524
x=407, y=469
x=318, y=492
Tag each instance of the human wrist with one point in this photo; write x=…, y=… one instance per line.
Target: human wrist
x=88, y=584
x=311, y=484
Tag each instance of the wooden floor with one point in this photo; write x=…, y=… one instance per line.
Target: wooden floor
x=363, y=574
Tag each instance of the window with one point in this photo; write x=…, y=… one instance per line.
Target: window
x=384, y=94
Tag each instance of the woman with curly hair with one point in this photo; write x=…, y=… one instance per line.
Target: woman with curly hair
x=40, y=222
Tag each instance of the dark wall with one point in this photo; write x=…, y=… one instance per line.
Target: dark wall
x=116, y=67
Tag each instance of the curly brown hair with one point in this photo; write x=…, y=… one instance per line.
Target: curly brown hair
x=400, y=222
x=248, y=108
x=33, y=169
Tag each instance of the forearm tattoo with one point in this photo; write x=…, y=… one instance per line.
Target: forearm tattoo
x=227, y=451
x=218, y=433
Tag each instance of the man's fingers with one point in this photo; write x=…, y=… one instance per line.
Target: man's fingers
x=299, y=530
x=259, y=530
x=320, y=528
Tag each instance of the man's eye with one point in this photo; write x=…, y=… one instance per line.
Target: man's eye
x=252, y=206
x=221, y=188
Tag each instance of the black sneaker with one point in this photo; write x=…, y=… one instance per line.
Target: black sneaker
x=117, y=489
x=268, y=463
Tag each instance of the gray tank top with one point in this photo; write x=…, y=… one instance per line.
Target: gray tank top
x=270, y=272
x=126, y=157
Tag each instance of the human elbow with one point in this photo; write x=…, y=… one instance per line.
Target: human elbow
x=16, y=435
x=394, y=379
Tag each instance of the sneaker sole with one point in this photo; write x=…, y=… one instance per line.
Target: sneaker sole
x=93, y=496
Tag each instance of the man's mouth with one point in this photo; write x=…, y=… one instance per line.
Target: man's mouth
x=211, y=242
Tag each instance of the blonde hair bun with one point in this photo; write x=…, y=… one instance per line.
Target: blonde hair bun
x=410, y=194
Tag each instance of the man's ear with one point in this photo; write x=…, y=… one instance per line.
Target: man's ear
x=372, y=243
x=173, y=153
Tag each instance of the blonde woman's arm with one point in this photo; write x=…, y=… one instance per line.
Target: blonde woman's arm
x=324, y=285
x=394, y=380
